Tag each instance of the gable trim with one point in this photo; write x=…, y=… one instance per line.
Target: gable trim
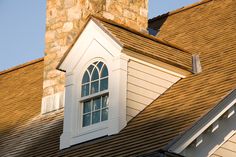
x=203, y=124
x=90, y=18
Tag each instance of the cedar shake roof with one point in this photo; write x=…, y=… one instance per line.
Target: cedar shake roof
x=149, y=45
x=208, y=28
x=20, y=102
x=142, y=43
x=20, y=93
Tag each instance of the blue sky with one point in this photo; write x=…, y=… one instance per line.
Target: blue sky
x=22, y=27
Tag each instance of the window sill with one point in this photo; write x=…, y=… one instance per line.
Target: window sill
x=92, y=128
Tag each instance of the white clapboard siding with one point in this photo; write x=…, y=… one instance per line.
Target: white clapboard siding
x=228, y=149
x=145, y=84
x=155, y=72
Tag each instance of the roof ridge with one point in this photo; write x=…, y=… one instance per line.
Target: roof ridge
x=148, y=36
x=179, y=10
x=21, y=65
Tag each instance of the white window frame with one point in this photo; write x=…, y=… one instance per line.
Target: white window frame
x=94, y=44
x=94, y=127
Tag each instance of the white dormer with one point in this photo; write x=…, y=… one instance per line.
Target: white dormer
x=95, y=91
x=105, y=88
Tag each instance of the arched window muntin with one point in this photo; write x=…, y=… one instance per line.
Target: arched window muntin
x=94, y=94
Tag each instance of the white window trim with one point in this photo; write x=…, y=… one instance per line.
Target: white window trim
x=80, y=130
x=117, y=88
x=94, y=39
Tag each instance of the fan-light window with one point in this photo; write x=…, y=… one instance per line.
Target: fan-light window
x=94, y=93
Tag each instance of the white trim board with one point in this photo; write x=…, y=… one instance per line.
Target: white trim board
x=180, y=144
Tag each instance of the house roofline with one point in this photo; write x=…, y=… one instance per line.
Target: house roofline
x=202, y=124
x=21, y=66
x=179, y=10
x=96, y=18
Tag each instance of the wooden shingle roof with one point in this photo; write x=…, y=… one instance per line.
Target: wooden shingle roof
x=142, y=43
x=208, y=29
x=149, y=45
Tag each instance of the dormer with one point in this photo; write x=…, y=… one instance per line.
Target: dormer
x=112, y=74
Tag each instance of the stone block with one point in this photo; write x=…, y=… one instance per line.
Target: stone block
x=108, y=15
x=50, y=36
x=65, y=19
x=74, y=13
x=68, y=26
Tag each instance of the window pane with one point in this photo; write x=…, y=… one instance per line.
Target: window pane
x=90, y=68
x=87, y=107
x=85, y=78
x=95, y=75
x=104, y=84
x=85, y=90
x=105, y=114
x=104, y=71
x=96, y=117
x=104, y=101
x=100, y=65
x=86, y=119
x=94, y=87
x=96, y=104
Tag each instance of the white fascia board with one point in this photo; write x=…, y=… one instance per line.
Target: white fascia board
x=203, y=124
x=92, y=31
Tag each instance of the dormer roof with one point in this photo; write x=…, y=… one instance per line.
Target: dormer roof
x=141, y=43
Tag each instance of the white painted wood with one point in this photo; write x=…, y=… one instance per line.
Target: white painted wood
x=145, y=84
x=229, y=145
x=135, y=82
x=94, y=45
x=154, y=71
x=231, y=111
x=128, y=118
x=198, y=141
x=144, y=75
x=158, y=67
x=215, y=155
x=225, y=153
x=215, y=126
x=139, y=98
x=142, y=91
x=204, y=124
x=213, y=141
x=52, y=102
x=233, y=138
x=132, y=112
x=91, y=32
x=137, y=105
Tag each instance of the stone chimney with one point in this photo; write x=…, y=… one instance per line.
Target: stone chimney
x=65, y=18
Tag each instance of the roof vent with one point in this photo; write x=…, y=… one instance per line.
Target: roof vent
x=197, y=68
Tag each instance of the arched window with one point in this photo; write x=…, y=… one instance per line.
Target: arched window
x=94, y=93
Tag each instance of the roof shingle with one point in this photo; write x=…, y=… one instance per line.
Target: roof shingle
x=208, y=29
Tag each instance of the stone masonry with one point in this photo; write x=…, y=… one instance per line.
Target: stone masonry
x=65, y=18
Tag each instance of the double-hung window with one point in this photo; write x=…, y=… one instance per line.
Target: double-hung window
x=94, y=94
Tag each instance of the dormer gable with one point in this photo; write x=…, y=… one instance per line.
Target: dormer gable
x=133, y=80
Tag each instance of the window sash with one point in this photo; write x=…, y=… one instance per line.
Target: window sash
x=92, y=96
x=93, y=110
